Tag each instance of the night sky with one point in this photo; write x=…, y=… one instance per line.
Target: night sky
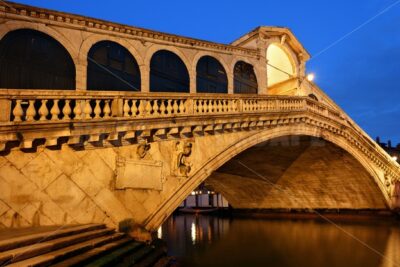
x=361, y=72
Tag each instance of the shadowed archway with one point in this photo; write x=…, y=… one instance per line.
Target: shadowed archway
x=168, y=73
x=112, y=67
x=211, y=76
x=30, y=59
x=245, y=81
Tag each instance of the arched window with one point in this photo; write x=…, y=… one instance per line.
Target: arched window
x=211, y=76
x=245, y=79
x=279, y=66
x=31, y=59
x=111, y=67
x=168, y=73
x=312, y=96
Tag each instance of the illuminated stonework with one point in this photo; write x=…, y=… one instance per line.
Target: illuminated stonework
x=81, y=156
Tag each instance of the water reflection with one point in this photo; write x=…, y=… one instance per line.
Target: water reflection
x=216, y=241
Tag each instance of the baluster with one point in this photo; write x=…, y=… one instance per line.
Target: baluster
x=175, y=106
x=142, y=109
x=126, y=107
x=169, y=107
x=107, y=109
x=218, y=106
x=205, y=105
x=87, y=110
x=18, y=112
x=163, y=108
x=31, y=112
x=134, y=108
x=43, y=110
x=148, y=107
x=229, y=105
x=181, y=106
x=200, y=105
x=66, y=111
x=97, y=109
x=155, y=107
x=55, y=110
x=78, y=109
x=195, y=106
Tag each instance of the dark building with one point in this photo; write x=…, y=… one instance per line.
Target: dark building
x=392, y=150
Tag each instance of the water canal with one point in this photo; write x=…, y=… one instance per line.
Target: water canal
x=206, y=240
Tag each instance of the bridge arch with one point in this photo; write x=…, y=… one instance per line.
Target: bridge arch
x=243, y=84
x=213, y=164
x=210, y=72
x=227, y=67
x=281, y=63
x=52, y=32
x=169, y=72
x=112, y=67
x=32, y=59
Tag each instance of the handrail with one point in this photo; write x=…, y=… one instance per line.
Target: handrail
x=19, y=105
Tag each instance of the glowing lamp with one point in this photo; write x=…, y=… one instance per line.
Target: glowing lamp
x=310, y=77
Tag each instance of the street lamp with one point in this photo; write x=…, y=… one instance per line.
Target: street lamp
x=310, y=77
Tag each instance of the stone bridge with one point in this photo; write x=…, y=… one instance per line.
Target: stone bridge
x=74, y=153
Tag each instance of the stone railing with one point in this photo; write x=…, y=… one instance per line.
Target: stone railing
x=29, y=118
x=23, y=106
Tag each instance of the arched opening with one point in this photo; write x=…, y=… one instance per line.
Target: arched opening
x=245, y=81
x=168, y=73
x=211, y=76
x=111, y=67
x=279, y=65
x=279, y=178
x=30, y=59
x=314, y=173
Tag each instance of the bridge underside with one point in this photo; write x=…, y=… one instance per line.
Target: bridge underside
x=296, y=172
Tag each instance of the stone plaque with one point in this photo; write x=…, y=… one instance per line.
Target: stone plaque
x=139, y=174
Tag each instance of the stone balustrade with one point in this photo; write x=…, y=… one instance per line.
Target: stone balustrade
x=20, y=106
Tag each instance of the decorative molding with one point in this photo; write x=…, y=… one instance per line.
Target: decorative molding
x=49, y=16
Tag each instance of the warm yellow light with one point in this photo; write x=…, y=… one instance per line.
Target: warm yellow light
x=193, y=193
x=394, y=158
x=159, y=232
x=311, y=77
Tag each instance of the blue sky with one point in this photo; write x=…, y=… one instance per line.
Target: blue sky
x=361, y=73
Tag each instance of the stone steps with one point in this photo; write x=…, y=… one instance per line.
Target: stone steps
x=25, y=240
x=94, y=253
x=50, y=258
x=87, y=245
x=39, y=248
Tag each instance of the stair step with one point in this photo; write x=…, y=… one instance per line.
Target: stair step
x=70, y=251
x=23, y=253
x=26, y=240
x=152, y=258
x=115, y=256
x=84, y=258
x=134, y=257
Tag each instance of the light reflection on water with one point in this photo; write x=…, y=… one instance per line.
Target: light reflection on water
x=216, y=241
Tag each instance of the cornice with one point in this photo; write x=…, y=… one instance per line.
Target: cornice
x=48, y=16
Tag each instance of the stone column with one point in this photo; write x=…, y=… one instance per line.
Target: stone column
x=145, y=78
x=231, y=81
x=81, y=76
x=193, y=82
